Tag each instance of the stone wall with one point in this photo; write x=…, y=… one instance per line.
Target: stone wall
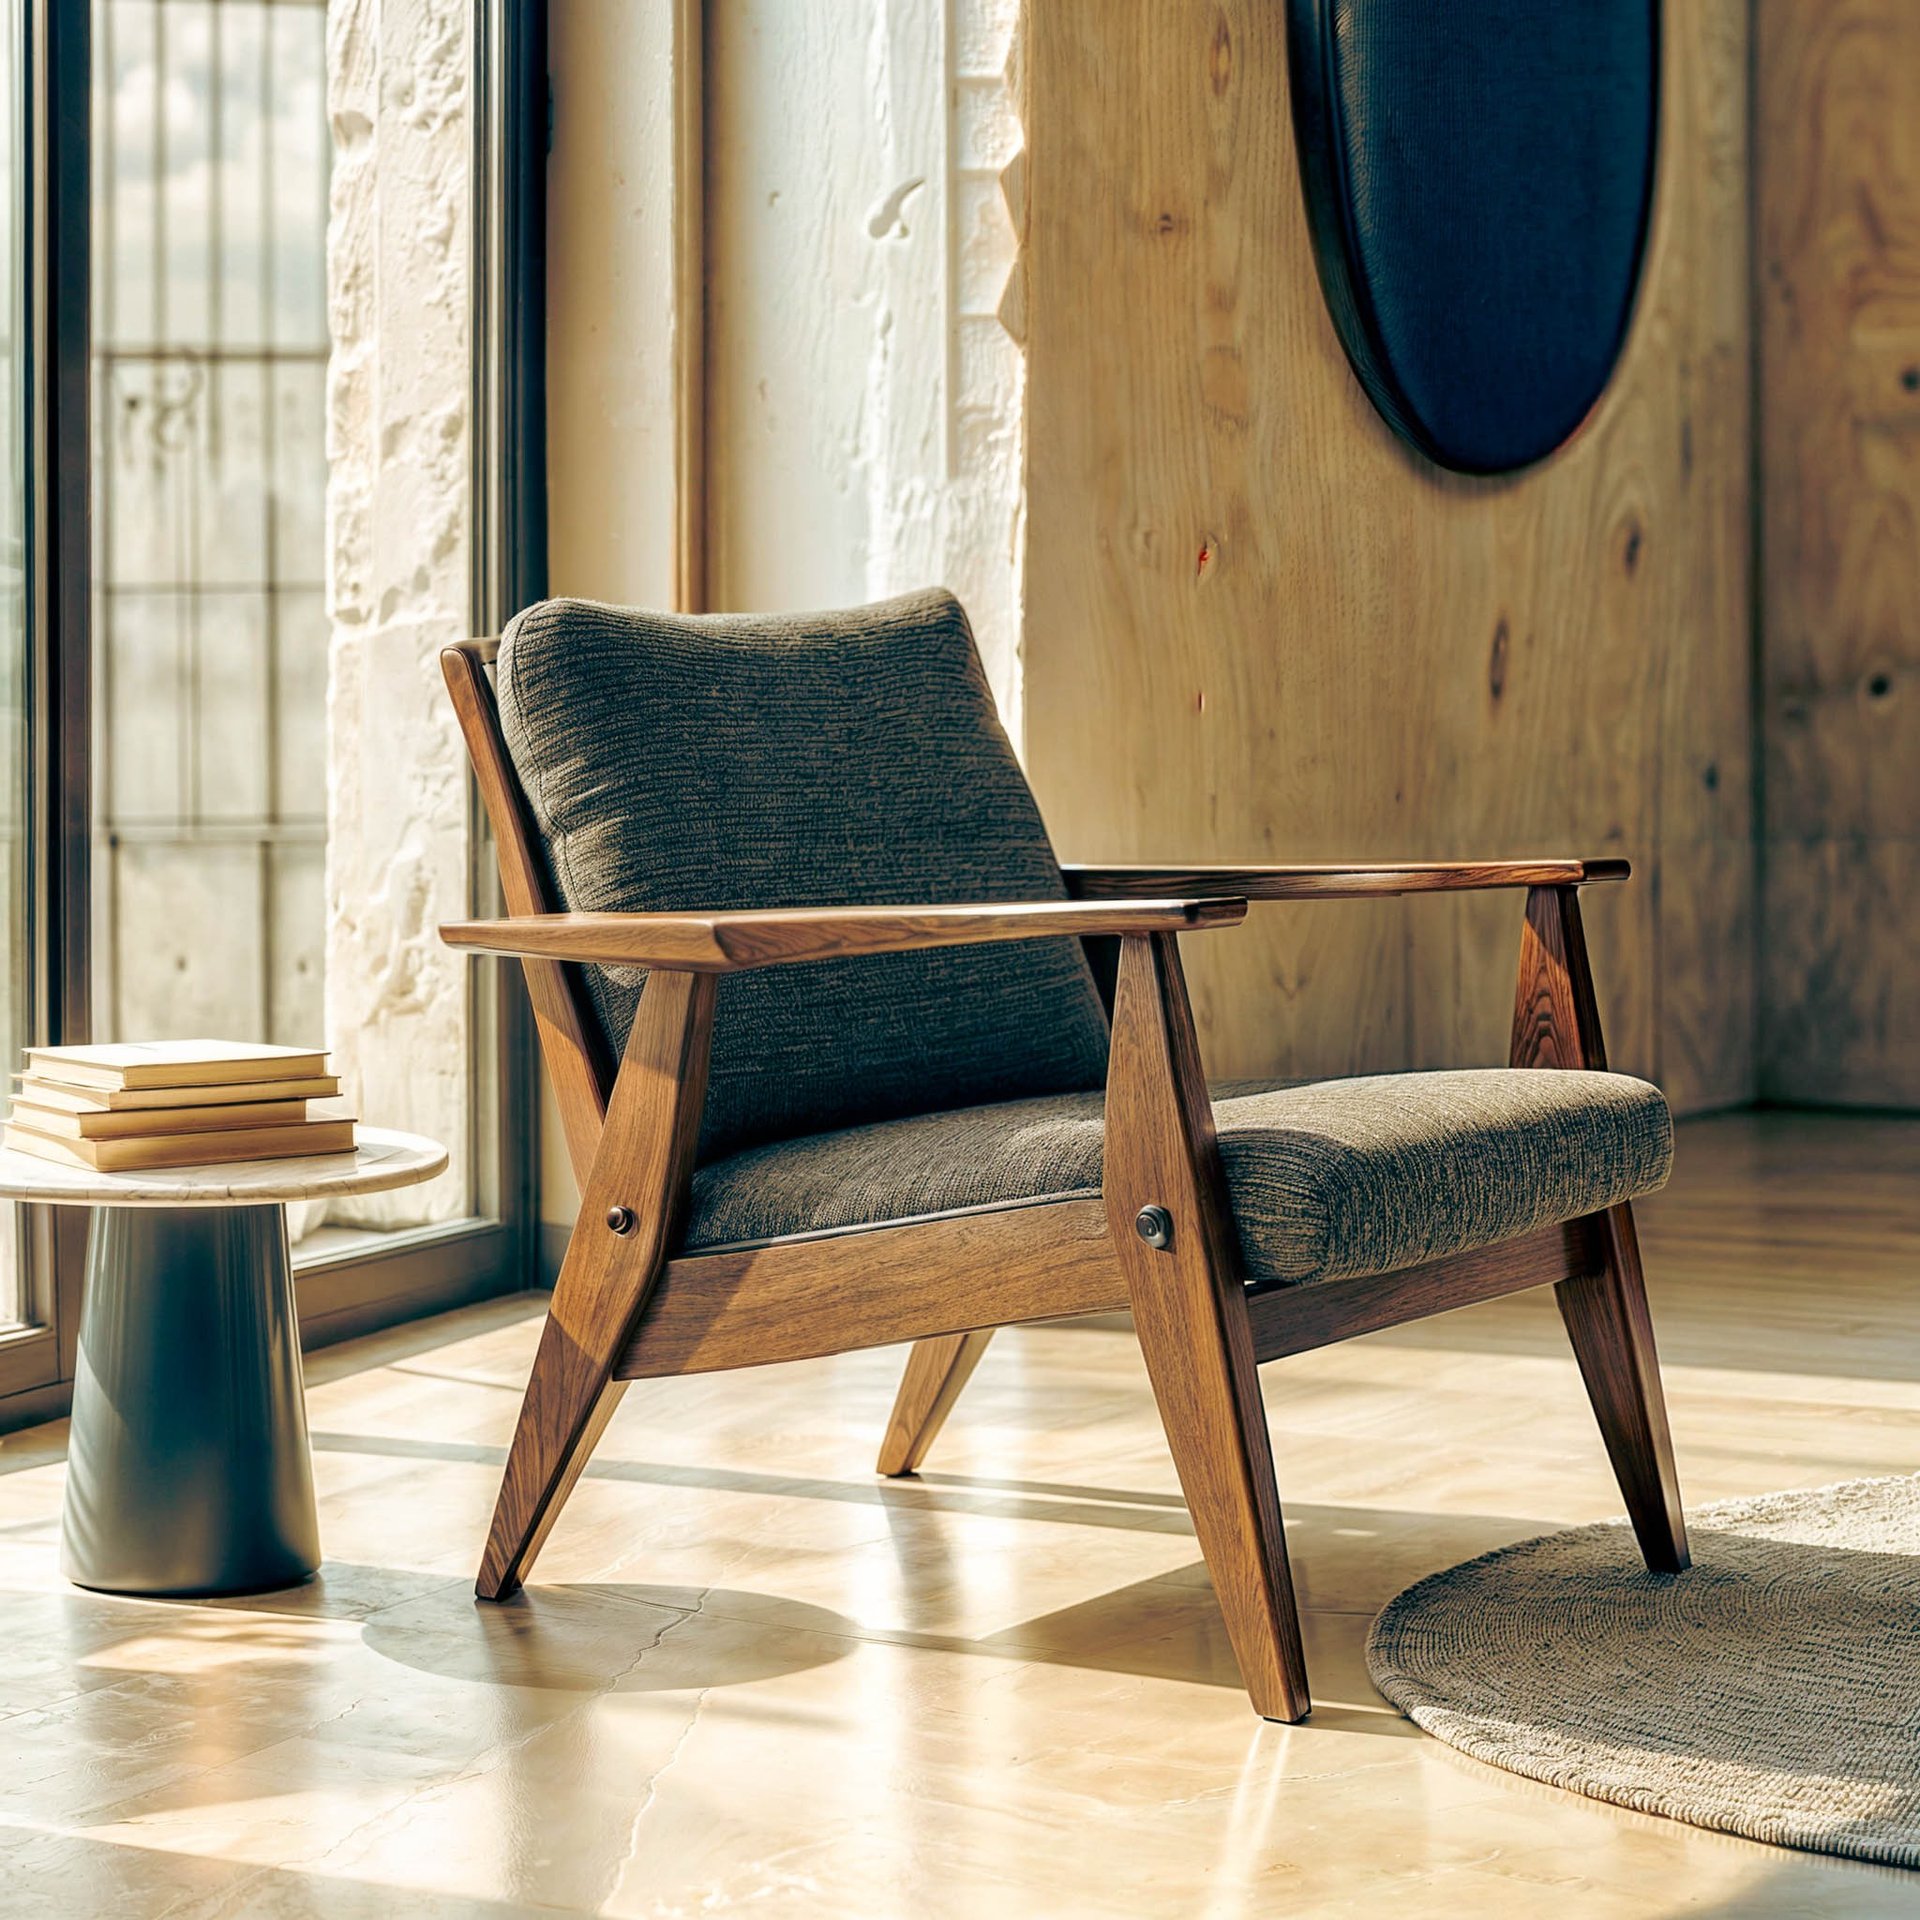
x=397, y=1002
x=866, y=409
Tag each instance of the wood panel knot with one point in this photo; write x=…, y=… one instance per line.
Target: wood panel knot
x=1497, y=661
x=1220, y=57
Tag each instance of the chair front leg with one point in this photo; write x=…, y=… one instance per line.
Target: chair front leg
x=629, y=1215
x=1168, y=1212
x=1556, y=1023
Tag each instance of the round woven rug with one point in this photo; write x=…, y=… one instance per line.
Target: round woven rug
x=1772, y=1691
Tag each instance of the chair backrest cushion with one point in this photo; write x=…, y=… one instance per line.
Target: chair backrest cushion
x=687, y=763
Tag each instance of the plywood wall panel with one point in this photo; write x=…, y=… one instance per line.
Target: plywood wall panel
x=1258, y=626
x=1838, y=194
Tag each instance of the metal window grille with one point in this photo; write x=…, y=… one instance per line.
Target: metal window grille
x=211, y=152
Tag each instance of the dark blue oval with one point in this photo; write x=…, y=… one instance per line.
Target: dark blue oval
x=1479, y=179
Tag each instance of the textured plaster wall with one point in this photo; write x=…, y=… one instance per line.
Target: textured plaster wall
x=865, y=408
x=866, y=402
x=397, y=1002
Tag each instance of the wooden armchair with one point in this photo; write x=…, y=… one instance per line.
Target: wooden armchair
x=1010, y=1173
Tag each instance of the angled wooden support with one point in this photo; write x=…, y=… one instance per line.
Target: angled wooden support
x=937, y=1370
x=576, y=1059
x=635, y=1197
x=1556, y=1023
x=1173, y=1230
x=1608, y=1321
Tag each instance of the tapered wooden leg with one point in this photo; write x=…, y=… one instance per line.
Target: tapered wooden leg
x=1556, y=1023
x=937, y=1369
x=1190, y=1312
x=628, y=1217
x=561, y=1421
x=1201, y=1366
x=1612, y=1334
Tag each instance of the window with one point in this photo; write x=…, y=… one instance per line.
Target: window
x=210, y=164
x=166, y=784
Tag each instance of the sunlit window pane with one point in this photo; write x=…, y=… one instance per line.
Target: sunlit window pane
x=210, y=352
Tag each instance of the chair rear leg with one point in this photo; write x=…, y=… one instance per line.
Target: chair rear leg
x=1611, y=1328
x=937, y=1370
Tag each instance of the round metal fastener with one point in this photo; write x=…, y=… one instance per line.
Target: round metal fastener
x=620, y=1219
x=1154, y=1225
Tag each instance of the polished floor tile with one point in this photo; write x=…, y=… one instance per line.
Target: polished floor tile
x=752, y=1678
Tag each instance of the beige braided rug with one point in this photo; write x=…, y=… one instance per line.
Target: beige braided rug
x=1772, y=1691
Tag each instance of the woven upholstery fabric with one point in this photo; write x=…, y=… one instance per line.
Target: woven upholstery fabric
x=737, y=761
x=1328, y=1179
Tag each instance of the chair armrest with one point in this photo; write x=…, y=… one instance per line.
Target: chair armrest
x=734, y=942
x=1336, y=883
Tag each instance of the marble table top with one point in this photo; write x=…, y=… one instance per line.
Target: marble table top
x=380, y=1159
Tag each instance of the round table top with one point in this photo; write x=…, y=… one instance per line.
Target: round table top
x=380, y=1159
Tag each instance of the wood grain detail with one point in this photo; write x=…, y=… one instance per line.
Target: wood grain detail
x=1288, y=1320
x=1190, y=1313
x=784, y=936
x=1259, y=629
x=570, y=1040
x=803, y=1298
x=1556, y=1024
x=639, y=1174
x=1556, y=1018
x=1611, y=1328
x=937, y=1371
x=1377, y=882
x=1836, y=156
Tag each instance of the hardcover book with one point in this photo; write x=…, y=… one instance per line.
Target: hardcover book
x=185, y=1149
x=74, y=1099
x=137, y=1064
x=150, y=1121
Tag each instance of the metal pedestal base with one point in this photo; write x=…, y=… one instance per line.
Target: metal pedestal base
x=188, y=1469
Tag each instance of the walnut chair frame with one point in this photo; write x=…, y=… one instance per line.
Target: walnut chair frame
x=1160, y=1240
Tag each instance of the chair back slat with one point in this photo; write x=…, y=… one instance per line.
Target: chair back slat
x=570, y=1036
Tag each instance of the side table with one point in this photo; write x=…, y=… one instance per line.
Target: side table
x=188, y=1469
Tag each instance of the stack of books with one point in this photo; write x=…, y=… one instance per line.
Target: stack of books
x=174, y=1103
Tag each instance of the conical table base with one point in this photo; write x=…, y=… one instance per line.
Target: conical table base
x=188, y=1469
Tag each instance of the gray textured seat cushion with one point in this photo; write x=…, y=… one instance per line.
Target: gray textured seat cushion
x=736, y=761
x=1329, y=1179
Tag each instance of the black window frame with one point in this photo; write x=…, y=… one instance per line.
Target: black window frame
x=409, y=1273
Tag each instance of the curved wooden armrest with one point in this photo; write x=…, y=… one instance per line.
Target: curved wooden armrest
x=733, y=942
x=1337, y=883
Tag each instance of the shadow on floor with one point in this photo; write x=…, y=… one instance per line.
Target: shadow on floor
x=625, y=1637
x=975, y=1495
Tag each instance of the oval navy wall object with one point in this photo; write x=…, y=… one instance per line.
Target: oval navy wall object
x=1479, y=181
